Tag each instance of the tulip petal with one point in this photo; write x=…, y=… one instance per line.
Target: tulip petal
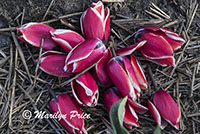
x=66, y=108
x=99, y=7
x=138, y=107
x=120, y=79
x=106, y=24
x=130, y=49
x=139, y=73
x=54, y=64
x=92, y=24
x=64, y=104
x=131, y=74
x=90, y=51
x=130, y=117
x=85, y=90
x=167, y=107
x=159, y=46
x=110, y=97
x=100, y=71
x=173, y=38
x=66, y=38
x=154, y=112
x=34, y=32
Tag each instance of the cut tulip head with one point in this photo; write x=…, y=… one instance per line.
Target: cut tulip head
x=84, y=55
x=160, y=44
x=95, y=22
x=164, y=107
x=85, y=90
x=111, y=96
x=33, y=33
x=100, y=70
x=53, y=62
x=63, y=106
x=122, y=74
x=67, y=39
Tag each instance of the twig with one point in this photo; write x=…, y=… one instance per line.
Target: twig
x=47, y=10
x=193, y=80
x=13, y=92
x=21, y=55
x=179, y=58
x=122, y=27
x=38, y=61
x=153, y=80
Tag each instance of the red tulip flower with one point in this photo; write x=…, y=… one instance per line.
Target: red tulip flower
x=126, y=73
x=95, y=22
x=63, y=105
x=85, y=90
x=164, y=109
x=160, y=44
x=84, y=55
x=32, y=33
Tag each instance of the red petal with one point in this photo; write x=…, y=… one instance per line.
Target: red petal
x=174, y=41
x=34, y=32
x=166, y=106
x=172, y=37
x=64, y=105
x=54, y=65
x=100, y=70
x=167, y=60
x=130, y=117
x=154, y=112
x=107, y=24
x=85, y=90
x=131, y=74
x=90, y=51
x=156, y=46
x=139, y=73
x=66, y=38
x=92, y=24
x=99, y=7
x=138, y=107
x=130, y=49
x=120, y=79
x=110, y=97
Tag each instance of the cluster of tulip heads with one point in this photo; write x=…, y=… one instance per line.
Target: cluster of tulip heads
x=122, y=73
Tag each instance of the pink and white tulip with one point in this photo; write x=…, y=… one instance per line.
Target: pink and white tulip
x=67, y=39
x=84, y=55
x=130, y=119
x=63, y=106
x=122, y=74
x=164, y=107
x=53, y=62
x=85, y=90
x=126, y=51
x=95, y=22
x=100, y=72
x=160, y=44
x=32, y=33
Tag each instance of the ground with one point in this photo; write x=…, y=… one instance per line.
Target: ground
x=17, y=93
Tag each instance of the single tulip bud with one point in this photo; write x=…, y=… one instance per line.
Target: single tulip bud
x=95, y=22
x=32, y=33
